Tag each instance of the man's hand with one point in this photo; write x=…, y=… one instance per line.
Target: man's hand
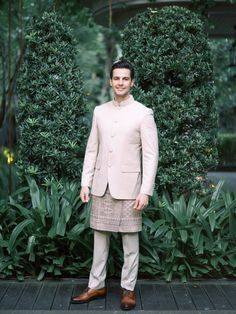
x=141, y=201
x=84, y=194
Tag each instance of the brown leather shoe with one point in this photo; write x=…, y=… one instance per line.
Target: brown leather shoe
x=89, y=294
x=127, y=300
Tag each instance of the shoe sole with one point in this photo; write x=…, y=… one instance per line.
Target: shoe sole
x=87, y=301
x=123, y=308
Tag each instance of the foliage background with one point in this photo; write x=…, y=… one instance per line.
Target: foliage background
x=47, y=234
x=170, y=53
x=40, y=240
x=52, y=130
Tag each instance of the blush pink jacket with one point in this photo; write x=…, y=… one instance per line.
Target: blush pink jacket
x=122, y=150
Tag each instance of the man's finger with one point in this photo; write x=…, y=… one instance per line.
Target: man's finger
x=136, y=204
x=140, y=206
x=86, y=197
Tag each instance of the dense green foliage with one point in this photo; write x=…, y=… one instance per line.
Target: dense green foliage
x=52, y=104
x=47, y=234
x=191, y=237
x=41, y=231
x=92, y=52
x=90, y=56
x=171, y=55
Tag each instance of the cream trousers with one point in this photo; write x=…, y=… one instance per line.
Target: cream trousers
x=130, y=242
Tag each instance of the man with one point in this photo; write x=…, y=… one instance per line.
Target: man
x=120, y=167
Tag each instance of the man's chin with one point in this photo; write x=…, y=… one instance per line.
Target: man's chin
x=122, y=93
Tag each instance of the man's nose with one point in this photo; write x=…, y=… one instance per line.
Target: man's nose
x=120, y=82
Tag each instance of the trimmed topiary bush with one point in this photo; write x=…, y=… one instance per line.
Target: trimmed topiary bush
x=171, y=55
x=52, y=104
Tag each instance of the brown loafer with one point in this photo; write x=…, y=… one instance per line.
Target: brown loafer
x=89, y=294
x=127, y=300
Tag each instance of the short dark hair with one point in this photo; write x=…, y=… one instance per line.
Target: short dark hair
x=122, y=64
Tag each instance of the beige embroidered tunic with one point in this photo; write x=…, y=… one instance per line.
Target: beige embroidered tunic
x=110, y=214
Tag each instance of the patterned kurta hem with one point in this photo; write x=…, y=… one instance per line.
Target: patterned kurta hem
x=114, y=215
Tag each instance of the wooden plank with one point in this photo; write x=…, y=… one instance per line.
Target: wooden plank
x=217, y=297
x=113, y=296
x=45, y=296
x=12, y=295
x=182, y=297
x=29, y=296
x=62, y=297
x=149, y=299
x=165, y=297
x=111, y=312
x=98, y=304
x=3, y=288
x=230, y=293
x=200, y=298
x=138, y=298
x=78, y=288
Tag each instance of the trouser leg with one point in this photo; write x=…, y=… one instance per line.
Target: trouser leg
x=131, y=259
x=100, y=254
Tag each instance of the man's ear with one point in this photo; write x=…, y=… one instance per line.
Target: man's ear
x=110, y=82
x=132, y=83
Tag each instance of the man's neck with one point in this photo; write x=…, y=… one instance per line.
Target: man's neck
x=120, y=99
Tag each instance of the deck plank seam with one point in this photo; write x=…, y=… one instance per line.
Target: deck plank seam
x=203, y=287
x=225, y=295
x=4, y=292
x=177, y=306
x=206, y=294
x=55, y=293
x=20, y=295
x=191, y=297
x=140, y=298
x=221, y=292
x=41, y=285
x=170, y=288
x=72, y=293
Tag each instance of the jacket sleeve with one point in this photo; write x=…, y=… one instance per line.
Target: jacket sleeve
x=90, y=154
x=150, y=153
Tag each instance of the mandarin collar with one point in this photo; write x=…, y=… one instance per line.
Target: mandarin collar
x=125, y=102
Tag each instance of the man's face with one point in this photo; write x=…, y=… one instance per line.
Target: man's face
x=121, y=83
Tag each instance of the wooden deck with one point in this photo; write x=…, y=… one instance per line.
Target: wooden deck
x=51, y=296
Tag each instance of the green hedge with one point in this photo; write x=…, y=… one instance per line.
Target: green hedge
x=227, y=150
x=170, y=52
x=45, y=232
x=51, y=122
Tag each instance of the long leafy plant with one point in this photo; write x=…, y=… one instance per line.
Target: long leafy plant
x=45, y=232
